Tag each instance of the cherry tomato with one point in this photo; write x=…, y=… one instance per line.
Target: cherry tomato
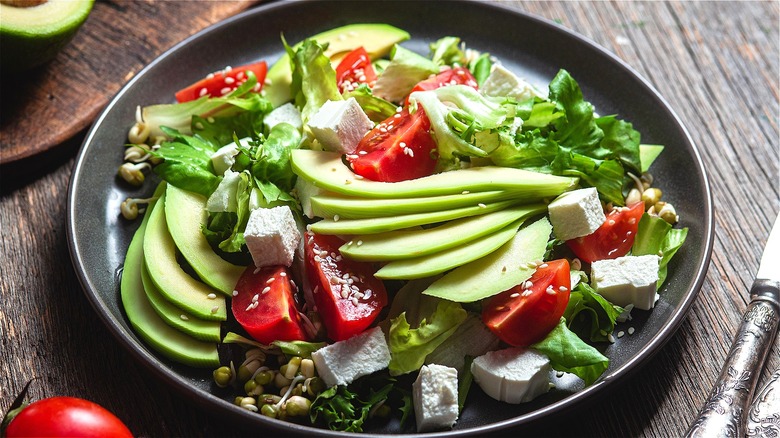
x=525, y=313
x=265, y=305
x=399, y=148
x=613, y=239
x=453, y=76
x=66, y=417
x=223, y=82
x=355, y=69
x=347, y=295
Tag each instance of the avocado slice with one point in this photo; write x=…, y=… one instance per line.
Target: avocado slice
x=383, y=224
x=164, y=339
x=397, y=245
x=329, y=205
x=327, y=171
x=500, y=270
x=376, y=38
x=174, y=284
x=175, y=317
x=432, y=264
x=33, y=31
x=186, y=214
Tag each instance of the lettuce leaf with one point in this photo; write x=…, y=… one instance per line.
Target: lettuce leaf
x=409, y=346
x=313, y=78
x=590, y=315
x=187, y=163
x=656, y=236
x=376, y=108
x=404, y=71
x=568, y=353
x=341, y=409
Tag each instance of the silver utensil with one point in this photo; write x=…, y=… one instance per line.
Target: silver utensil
x=724, y=414
x=764, y=415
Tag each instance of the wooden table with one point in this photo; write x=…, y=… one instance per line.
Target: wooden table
x=717, y=62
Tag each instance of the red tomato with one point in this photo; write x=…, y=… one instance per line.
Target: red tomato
x=355, y=69
x=400, y=148
x=66, y=417
x=265, y=305
x=347, y=295
x=525, y=314
x=613, y=239
x=453, y=76
x=223, y=82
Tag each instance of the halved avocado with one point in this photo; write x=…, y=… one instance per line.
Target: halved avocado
x=33, y=31
x=376, y=38
x=175, y=317
x=178, y=287
x=168, y=341
x=185, y=214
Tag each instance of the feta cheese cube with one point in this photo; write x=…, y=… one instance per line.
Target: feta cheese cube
x=224, y=197
x=512, y=375
x=272, y=236
x=576, y=214
x=345, y=361
x=224, y=158
x=502, y=82
x=627, y=280
x=340, y=125
x=435, y=397
x=286, y=113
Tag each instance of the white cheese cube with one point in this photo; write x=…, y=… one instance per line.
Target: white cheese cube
x=576, y=214
x=345, y=361
x=286, y=113
x=224, y=158
x=340, y=125
x=471, y=338
x=502, y=83
x=224, y=197
x=512, y=375
x=435, y=397
x=272, y=236
x=627, y=280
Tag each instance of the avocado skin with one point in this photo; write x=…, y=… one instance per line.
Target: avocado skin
x=24, y=50
x=164, y=339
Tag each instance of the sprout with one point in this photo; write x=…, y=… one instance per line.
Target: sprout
x=129, y=207
x=133, y=173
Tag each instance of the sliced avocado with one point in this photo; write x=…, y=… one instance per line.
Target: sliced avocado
x=175, y=317
x=436, y=263
x=383, y=224
x=648, y=153
x=33, y=31
x=174, y=284
x=326, y=170
x=376, y=38
x=186, y=214
x=328, y=205
x=397, y=245
x=166, y=340
x=500, y=270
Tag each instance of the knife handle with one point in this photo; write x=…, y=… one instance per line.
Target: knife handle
x=725, y=411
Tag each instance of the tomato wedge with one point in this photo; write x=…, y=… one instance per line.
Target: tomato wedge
x=355, y=69
x=398, y=149
x=453, y=76
x=66, y=417
x=265, y=305
x=525, y=313
x=347, y=295
x=614, y=237
x=223, y=82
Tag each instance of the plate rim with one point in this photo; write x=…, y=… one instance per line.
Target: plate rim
x=129, y=339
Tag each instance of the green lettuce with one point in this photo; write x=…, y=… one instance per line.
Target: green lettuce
x=404, y=71
x=570, y=354
x=187, y=162
x=656, y=236
x=313, y=77
x=339, y=408
x=590, y=315
x=376, y=108
x=447, y=51
x=409, y=346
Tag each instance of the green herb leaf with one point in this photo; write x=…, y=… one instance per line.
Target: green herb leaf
x=569, y=353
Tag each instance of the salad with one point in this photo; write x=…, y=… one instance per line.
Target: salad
x=360, y=232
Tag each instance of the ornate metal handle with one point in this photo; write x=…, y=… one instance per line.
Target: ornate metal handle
x=725, y=412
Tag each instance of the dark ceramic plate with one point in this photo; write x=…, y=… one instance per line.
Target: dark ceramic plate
x=532, y=47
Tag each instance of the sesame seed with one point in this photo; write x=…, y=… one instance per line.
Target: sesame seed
x=402, y=144
x=550, y=290
x=266, y=290
x=543, y=265
x=292, y=283
x=235, y=293
x=336, y=217
x=270, y=280
x=212, y=296
x=359, y=242
x=563, y=288
x=630, y=330
x=240, y=75
x=611, y=338
x=481, y=205
x=229, y=80
x=465, y=192
x=355, y=301
x=255, y=298
x=621, y=333
x=515, y=295
x=283, y=274
x=528, y=284
x=215, y=309
x=632, y=220
x=210, y=75
x=225, y=91
x=203, y=92
x=333, y=280
x=184, y=317
x=344, y=292
x=611, y=222
x=527, y=292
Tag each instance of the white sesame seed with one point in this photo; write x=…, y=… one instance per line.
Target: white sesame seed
x=563, y=288
x=212, y=296
x=527, y=292
x=270, y=280
x=630, y=330
x=333, y=280
x=229, y=80
x=283, y=274
x=359, y=242
x=240, y=75
x=465, y=192
x=611, y=338
x=235, y=293
x=550, y=290
x=184, y=317
x=266, y=290
x=543, y=265
x=203, y=92
x=336, y=217
x=481, y=205
x=611, y=222
x=402, y=144
x=255, y=298
x=225, y=91
x=621, y=333
x=210, y=75
x=215, y=309
x=344, y=292
x=355, y=301
x=515, y=295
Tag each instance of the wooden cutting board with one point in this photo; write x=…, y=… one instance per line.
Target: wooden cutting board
x=46, y=106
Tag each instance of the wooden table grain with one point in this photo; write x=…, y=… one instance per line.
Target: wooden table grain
x=716, y=62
